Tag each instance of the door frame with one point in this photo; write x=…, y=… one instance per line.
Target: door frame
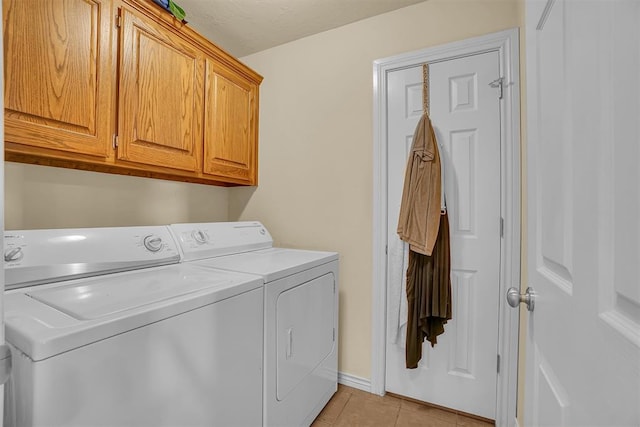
x=506, y=43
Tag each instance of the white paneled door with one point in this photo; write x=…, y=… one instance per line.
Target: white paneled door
x=461, y=371
x=583, y=336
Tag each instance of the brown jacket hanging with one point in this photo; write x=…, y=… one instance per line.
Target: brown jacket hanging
x=420, y=209
x=428, y=295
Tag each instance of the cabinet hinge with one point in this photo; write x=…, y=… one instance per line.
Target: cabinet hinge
x=386, y=249
x=498, y=365
x=115, y=141
x=118, y=19
x=498, y=83
x=334, y=334
x=501, y=227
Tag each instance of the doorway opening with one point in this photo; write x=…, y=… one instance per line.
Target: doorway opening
x=502, y=46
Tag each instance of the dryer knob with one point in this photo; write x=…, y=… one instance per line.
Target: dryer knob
x=153, y=243
x=200, y=236
x=13, y=254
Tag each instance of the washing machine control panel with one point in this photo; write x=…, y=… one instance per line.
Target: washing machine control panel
x=42, y=256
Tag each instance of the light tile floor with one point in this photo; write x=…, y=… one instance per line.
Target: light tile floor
x=353, y=407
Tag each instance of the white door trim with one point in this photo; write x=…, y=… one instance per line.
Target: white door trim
x=506, y=43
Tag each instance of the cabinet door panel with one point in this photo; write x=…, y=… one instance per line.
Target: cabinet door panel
x=57, y=74
x=160, y=96
x=230, y=130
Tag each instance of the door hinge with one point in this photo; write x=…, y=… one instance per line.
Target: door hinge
x=115, y=141
x=334, y=334
x=498, y=83
x=501, y=227
x=498, y=365
x=118, y=19
x=386, y=249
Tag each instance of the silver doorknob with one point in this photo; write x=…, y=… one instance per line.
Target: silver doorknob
x=514, y=298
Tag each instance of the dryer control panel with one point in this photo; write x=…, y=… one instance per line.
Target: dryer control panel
x=207, y=240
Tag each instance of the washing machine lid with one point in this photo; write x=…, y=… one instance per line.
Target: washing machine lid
x=45, y=320
x=105, y=296
x=272, y=263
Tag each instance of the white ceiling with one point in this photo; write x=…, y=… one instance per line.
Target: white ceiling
x=242, y=27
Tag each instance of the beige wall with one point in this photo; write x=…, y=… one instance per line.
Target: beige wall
x=45, y=197
x=316, y=141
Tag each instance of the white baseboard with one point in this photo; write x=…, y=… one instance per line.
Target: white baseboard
x=355, y=382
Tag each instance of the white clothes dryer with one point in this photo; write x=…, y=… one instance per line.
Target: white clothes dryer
x=300, y=312
x=106, y=329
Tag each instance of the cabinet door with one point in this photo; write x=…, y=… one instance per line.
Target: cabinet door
x=160, y=105
x=231, y=125
x=58, y=75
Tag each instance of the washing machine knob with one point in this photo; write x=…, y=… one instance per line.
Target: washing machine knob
x=200, y=236
x=13, y=254
x=153, y=243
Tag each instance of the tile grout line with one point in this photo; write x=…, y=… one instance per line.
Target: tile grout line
x=343, y=408
x=350, y=395
x=398, y=415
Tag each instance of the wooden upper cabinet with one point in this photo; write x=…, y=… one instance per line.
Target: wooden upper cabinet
x=121, y=86
x=231, y=128
x=160, y=96
x=58, y=80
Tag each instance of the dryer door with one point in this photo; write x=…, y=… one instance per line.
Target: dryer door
x=305, y=331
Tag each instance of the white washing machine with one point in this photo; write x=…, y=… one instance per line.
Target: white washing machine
x=161, y=344
x=300, y=309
